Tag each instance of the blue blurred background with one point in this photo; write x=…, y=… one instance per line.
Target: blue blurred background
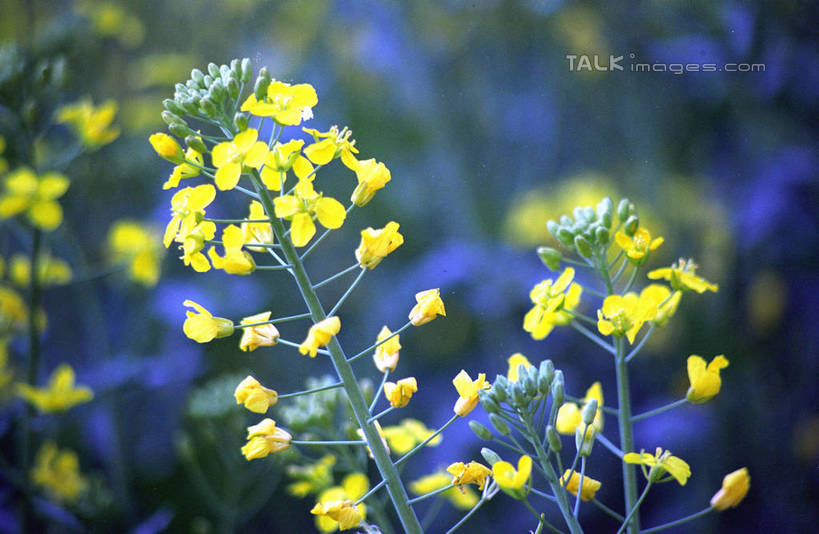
x=488, y=134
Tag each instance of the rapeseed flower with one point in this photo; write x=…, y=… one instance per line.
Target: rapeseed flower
x=735, y=486
x=429, y=305
x=311, y=478
x=377, y=244
x=682, y=277
x=471, y=473
x=386, y=354
x=263, y=335
x=58, y=472
x=91, y=125
x=638, y=246
x=590, y=485
x=35, y=196
x=336, y=508
x=511, y=480
x=60, y=394
x=282, y=158
x=403, y=437
x=705, y=380
x=464, y=499
x=330, y=145
x=399, y=393
x=167, y=147
x=515, y=361
x=52, y=271
x=202, y=326
x=468, y=392
x=300, y=209
x=235, y=260
x=264, y=438
x=660, y=463
x=624, y=315
x=286, y=104
x=255, y=396
x=320, y=335
x=231, y=157
x=663, y=299
x=185, y=169
x=570, y=415
x=187, y=225
x=371, y=175
x=254, y=232
x=540, y=322
x=138, y=247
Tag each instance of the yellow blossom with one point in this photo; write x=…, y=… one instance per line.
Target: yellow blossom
x=286, y=104
x=403, y=437
x=185, y=169
x=167, y=147
x=230, y=157
x=137, y=246
x=311, y=478
x=52, y=271
x=570, y=415
x=255, y=396
x=661, y=462
x=59, y=395
x=468, y=392
x=376, y=244
x=471, y=473
x=13, y=311
x=400, y=393
x=371, y=175
x=513, y=480
x=281, y=159
x=187, y=225
x=705, y=381
x=463, y=500
x=638, y=247
x=263, y=335
x=36, y=196
x=540, y=322
x=624, y=315
x=202, y=326
x=300, y=209
x=320, y=335
x=264, y=438
x=550, y=294
x=330, y=145
x=515, y=361
x=429, y=305
x=661, y=297
x=91, y=125
x=235, y=260
x=58, y=472
x=336, y=508
x=735, y=486
x=256, y=232
x=590, y=485
x=682, y=277
x=386, y=354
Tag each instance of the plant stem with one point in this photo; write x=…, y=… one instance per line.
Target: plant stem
x=633, y=517
x=679, y=521
x=310, y=391
x=659, y=410
x=626, y=434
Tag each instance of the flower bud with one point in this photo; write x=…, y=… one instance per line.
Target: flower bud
x=262, y=83
x=195, y=142
x=480, y=430
x=565, y=236
x=217, y=92
x=247, y=70
x=605, y=211
x=499, y=424
x=190, y=105
x=589, y=411
x=602, y=235
x=589, y=214
x=553, y=439
x=565, y=220
x=240, y=121
x=490, y=456
x=198, y=76
x=208, y=81
x=208, y=106
x=553, y=227
x=579, y=214
x=583, y=246
x=234, y=67
x=173, y=106
x=181, y=88
x=498, y=393
x=502, y=382
x=213, y=70
x=233, y=88
x=550, y=257
x=584, y=443
x=180, y=130
x=558, y=394
x=172, y=118
x=623, y=210
x=631, y=225
x=488, y=402
x=518, y=394
x=224, y=74
x=529, y=376
x=546, y=373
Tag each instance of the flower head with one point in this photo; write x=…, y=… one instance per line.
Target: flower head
x=705, y=380
x=282, y=158
x=202, y=327
x=471, y=473
x=230, y=157
x=386, y=353
x=468, y=392
x=185, y=169
x=400, y=393
x=255, y=396
x=511, y=480
x=59, y=395
x=429, y=305
x=92, y=125
x=515, y=361
x=336, y=508
x=682, y=277
x=735, y=486
x=58, y=472
x=286, y=104
x=540, y=322
x=261, y=335
x=403, y=437
x=320, y=335
x=372, y=175
x=264, y=438
x=167, y=147
x=661, y=297
x=660, y=463
x=550, y=294
x=300, y=209
x=624, y=315
x=590, y=485
x=637, y=247
x=235, y=260
x=330, y=145
x=377, y=244
x=137, y=246
x=36, y=196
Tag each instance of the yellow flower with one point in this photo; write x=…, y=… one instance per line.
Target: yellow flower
x=624, y=315
x=638, y=247
x=13, y=311
x=330, y=145
x=286, y=104
x=372, y=175
x=735, y=486
x=468, y=392
x=590, y=485
x=403, y=437
x=255, y=396
x=386, y=354
x=137, y=246
x=188, y=208
x=661, y=462
x=682, y=277
x=281, y=159
x=570, y=415
x=550, y=295
x=36, y=196
x=92, y=126
x=184, y=169
x=429, y=305
x=167, y=147
x=540, y=322
x=254, y=232
x=58, y=472
x=230, y=157
x=52, y=271
x=311, y=478
x=300, y=209
x=463, y=500
x=515, y=361
x=376, y=244
x=235, y=260
x=400, y=393
x=661, y=297
x=336, y=508
x=705, y=381
x=471, y=473
x=203, y=327
x=263, y=335
x=511, y=480
x=264, y=438
x=59, y=395
x=320, y=335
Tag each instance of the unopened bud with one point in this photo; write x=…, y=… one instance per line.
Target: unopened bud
x=529, y=377
x=233, y=88
x=583, y=246
x=546, y=373
x=213, y=70
x=605, y=211
x=623, y=210
x=173, y=106
x=553, y=439
x=518, y=394
x=499, y=424
x=262, y=83
x=208, y=107
x=247, y=70
x=217, y=91
x=558, y=394
x=195, y=142
x=180, y=130
x=584, y=441
x=550, y=257
x=589, y=411
x=172, y=118
x=553, y=227
x=480, y=430
x=488, y=402
x=498, y=392
x=631, y=225
x=602, y=235
x=490, y=456
x=565, y=236
x=240, y=121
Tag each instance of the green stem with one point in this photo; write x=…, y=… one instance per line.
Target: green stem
x=380, y=388
x=592, y=336
x=376, y=344
x=632, y=516
x=427, y=440
x=369, y=493
x=659, y=410
x=344, y=370
x=335, y=276
x=431, y=494
x=381, y=414
x=339, y=442
x=347, y=293
x=639, y=346
x=463, y=520
x=310, y=391
x=679, y=521
x=626, y=434
x=608, y=511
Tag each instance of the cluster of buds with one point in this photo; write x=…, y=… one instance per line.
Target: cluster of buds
x=531, y=382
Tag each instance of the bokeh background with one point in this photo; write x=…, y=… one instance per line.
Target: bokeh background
x=488, y=134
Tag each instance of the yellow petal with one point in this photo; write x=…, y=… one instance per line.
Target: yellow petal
x=330, y=212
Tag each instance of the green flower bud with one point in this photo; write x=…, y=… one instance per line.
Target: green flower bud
x=553, y=439
x=529, y=378
x=488, y=402
x=565, y=220
x=546, y=373
x=602, y=235
x=589, y=214
x=631, y=225
x=240, y=121
x=480, y=430
x=553, y=227
x=198, y=76
x=247, y=70
x=498, y=393
x=490, y=456
x=181, y=88
x=172, y=118
x=213, y=70
x=502, y=382
x=192, y=85
x=565, y=236
x=224, y=73
x=218, y=91
x=208, y=81
x=584, y=444
x=579, y=214
x=583, y=246
x=195, y=142
x=550, y=257
x=499, y=424
x=262, y=83
x=233, y=88
x=180, y=130
x=234, y=67
x=558, y=394
x=191, y=105
x=605, y=211
x=173, y=106
x=518, y=394
x=589, y=411
x=623, y=210
x=208, y=107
